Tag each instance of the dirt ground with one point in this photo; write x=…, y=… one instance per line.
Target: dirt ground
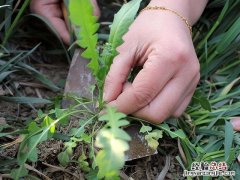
x=17, y=115
x=55, y=67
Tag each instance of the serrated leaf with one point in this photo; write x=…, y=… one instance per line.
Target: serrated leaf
x=63, y=158
x=115, y=121
x=111, y=158
x=81, y=15
x=113, y=142
x=19, y=172
x=152, y=143
x=153, y=137
x=84, y=165
x=122, y=20
x=145, y=128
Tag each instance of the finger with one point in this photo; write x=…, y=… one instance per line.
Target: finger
x=179, y=111
x=236, y=123
x=96, y=8
x=53, y=12
x=117, y=75
x=180, y=108
x=61, y=28
x=165, y=103
x=126, y=86
x=147, y=84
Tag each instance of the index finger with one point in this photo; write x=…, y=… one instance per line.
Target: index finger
x=146, y=86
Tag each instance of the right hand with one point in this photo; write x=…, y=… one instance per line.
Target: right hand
x=52, y=10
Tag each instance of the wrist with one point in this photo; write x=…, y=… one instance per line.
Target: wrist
x=189, y=9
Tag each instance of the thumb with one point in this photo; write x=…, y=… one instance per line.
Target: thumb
x=117, y=76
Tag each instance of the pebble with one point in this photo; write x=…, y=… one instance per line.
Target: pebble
x=2, y=121
x=29, y=91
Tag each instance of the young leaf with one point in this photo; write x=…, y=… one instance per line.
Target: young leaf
x=17, y=173
x=153, y=137
x=203, y=101
x=113, y=143
x=84, y=165
x=145, y=128
x=81, y=15
x=115, y=121
x=47, y=121
x=111, y=158
x=122, y=20
x=63, y=158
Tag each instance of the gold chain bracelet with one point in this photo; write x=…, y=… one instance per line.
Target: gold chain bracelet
x=166, y=9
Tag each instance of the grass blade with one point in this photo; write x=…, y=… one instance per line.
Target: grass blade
x=229, y=135
x=25, y=100
x=16, y=20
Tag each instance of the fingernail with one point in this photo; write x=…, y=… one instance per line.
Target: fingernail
x=105, y=97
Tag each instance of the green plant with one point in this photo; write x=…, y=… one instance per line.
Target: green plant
x=204, y=132
x=13, y=62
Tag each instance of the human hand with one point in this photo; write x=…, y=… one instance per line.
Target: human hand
x=53, y=11
x=236, y=123
x=161, y=43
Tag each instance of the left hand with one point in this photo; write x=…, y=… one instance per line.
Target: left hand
x=52, y=10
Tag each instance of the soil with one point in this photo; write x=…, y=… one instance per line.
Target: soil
x=55, y=67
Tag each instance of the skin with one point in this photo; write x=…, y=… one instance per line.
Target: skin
x=170, y=73
x=236, y=123
x=162, y=46
x=52, y=10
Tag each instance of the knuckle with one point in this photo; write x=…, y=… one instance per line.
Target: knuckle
x=181, y=52
x=195, y=67
x=181, y=55
x=142, y=95
x=158, y=118
x=34, y=6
